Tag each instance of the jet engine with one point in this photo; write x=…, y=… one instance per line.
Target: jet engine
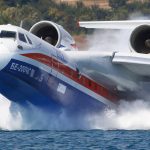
x=140, y=39
x=54, y=34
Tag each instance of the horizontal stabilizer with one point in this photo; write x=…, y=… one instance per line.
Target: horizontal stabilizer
x=128, y=24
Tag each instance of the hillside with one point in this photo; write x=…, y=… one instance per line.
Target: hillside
x=31, y=11
x=100, y=3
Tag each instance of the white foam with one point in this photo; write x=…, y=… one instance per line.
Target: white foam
x=128, y=116
x=8, y=121
x=108, y=40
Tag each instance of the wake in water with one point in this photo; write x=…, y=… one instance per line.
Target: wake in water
x=7, y=120
x=34, y=118
x=129, y=116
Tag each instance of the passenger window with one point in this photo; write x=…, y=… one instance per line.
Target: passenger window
x=29, y=39
x=22, y=37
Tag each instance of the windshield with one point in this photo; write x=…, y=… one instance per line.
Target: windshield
x=7, y=34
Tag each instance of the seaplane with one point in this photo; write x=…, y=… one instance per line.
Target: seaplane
x=44, y=67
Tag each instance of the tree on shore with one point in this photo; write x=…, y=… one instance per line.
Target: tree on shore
x=117, y=3
x=31, y=11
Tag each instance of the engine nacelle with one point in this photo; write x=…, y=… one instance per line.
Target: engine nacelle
x=54, y=34
x=140, y=39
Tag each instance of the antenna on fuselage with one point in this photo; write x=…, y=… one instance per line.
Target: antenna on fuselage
x=21, y=24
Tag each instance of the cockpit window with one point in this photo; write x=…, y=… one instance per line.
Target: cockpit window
x=7, y=34
x=22, y=38
x=29, y=39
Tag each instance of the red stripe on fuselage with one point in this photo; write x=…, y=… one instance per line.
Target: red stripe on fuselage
x=73, y=74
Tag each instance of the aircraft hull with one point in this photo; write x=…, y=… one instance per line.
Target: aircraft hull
x=44, y=90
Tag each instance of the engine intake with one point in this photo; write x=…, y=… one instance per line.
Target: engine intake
x=140, y=39
x=54, y=34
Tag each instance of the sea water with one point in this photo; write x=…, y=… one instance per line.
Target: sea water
x=77, y=139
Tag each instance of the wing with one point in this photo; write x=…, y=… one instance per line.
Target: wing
x=114, y=70
x=135, y=62
x=129, y=24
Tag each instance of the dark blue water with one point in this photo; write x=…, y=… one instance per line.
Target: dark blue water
x=72, y=140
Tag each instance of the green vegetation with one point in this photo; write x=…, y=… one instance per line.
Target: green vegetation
x=117, y=3
x=31, y=11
